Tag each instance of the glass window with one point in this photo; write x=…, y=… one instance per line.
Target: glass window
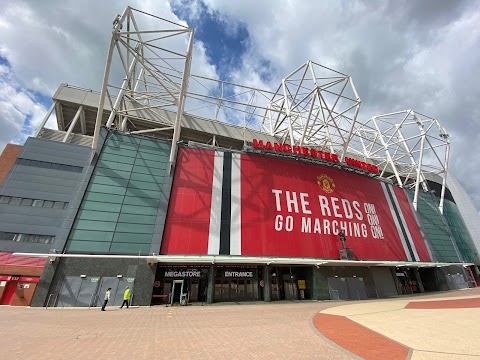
x=19, y=237
x=47, y=204
x=2, y=235
x=4, y=199
x=58, y=167
x=65, y=205
x=15, y=201
x=9, y=236
x=35, y=163
x=27, y=202
x=33, y=238
x=24, y=162
x=37, y=203
x=45, y=164
x=58, y=204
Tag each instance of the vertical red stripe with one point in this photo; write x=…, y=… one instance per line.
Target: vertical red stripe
x=188, y=217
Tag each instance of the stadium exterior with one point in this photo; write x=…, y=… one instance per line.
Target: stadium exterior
x=139, y=186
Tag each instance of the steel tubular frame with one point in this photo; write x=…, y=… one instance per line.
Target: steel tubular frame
x=313, y=106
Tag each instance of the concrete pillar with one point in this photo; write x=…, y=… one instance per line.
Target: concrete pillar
x=419, y=280
x=211, y=284
x=267, y=287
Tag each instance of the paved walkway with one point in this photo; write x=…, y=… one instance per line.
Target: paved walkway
x=255, y=331
x=442, y=326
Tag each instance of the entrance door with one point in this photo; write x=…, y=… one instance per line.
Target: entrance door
x=194, y=290
x=108, y=282
x=177, y=291
x=290, y=287
x=356, y=288
x=69, y=292
x=88, y=291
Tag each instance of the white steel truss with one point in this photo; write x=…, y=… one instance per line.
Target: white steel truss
x=408, y=148
x=314, y=106
x=147, y=73
x=154, y=76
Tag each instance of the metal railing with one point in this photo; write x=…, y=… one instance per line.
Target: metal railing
x=48, y=301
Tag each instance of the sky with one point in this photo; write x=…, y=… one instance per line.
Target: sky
x=402, y=54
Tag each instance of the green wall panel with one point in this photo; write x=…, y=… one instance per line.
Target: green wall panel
x=460, y=231
x=132, y=238
x=435, y=227
x=118, y=159
x=140, y=210
x=100, y=206
x=105, y=180
x=119, y=209
x=97, y=215
x=137, y=219
x=88, y=246
x=134, y=228
x=99, y=197
x=127, y=248
x=95, y=225
x=86, y=235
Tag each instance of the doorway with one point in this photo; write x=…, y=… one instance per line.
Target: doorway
x=177, y=291
x=291, y=292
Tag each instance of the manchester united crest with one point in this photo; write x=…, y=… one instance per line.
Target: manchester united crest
x=326, y=183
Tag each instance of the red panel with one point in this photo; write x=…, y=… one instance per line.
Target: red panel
x=412, y=225
x=188, y=218
x=355, y=200
x=9, y=259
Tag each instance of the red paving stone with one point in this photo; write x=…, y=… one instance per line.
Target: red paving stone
x=358, y=339
x=445, y=304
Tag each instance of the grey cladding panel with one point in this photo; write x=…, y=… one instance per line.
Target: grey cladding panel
x=13, y=246
x=27, y=183
x=25, y=220
x=55, y=152
x=37, y=179
x=51, y=173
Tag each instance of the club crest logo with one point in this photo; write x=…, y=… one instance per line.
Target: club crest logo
x=326, y=183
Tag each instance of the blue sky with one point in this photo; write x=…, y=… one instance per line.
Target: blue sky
x=421, y=55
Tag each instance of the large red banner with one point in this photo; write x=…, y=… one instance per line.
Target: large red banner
x=287, y=208
x=296, y=209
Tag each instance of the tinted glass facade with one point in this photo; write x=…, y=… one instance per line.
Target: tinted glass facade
x=119, y=210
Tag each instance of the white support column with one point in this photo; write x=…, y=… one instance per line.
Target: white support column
x=119, y=98
x=98, y=122
x=287, y=108
x=73, y=123
x=419, y=171
x=181, y=103
x=389, y=157
x=444, y=182
x=83, y=123
x=45, y=119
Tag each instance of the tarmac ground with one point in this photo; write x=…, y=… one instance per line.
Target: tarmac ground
x=429, y=326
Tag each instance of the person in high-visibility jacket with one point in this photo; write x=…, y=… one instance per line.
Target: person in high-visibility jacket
x=106, y=298
x=126, y=297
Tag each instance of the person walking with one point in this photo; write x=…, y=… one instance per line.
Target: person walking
x=106, y=298
x=126, y=297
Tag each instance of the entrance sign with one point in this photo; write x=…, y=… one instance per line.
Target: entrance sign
x=238, y=274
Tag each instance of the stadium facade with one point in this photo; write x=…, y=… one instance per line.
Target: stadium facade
x=135, y=188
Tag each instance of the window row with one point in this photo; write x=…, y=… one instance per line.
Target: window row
x=30, y=238
x=13, y=200
x=49, y=165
